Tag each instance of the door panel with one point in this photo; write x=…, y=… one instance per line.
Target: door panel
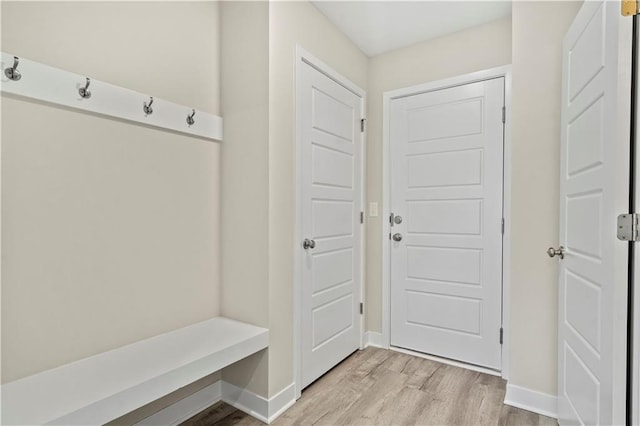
x=594, y=185
x=330, y=203
x=446, y=184
x=448, y=168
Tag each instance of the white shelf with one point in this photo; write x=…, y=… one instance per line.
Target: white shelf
x=103, y=387
x=56, y=86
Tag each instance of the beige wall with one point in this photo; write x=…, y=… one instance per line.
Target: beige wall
x=259, y=169
x=245, y=177
x=532, y=41
x=81, y=274
x=292, y=23
x=538, y=30
x=474, y=49
x=110, y=230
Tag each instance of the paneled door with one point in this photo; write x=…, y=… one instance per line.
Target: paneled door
x=446, y=235
x=331, y=193
x=594, y=189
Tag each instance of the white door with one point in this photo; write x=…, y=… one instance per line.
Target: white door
x=594, y=189
x=635, y=393
x=330, y=139
x=446, y=195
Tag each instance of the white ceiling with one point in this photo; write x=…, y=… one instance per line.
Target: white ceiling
x=379, y=26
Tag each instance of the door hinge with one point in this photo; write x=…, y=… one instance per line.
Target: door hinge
x=630, y=7
x=361, y=308
x=502, y=226
x=362, y=124
x=627, y=227
x=361, y=217
x=504, y=114
x=501, y=335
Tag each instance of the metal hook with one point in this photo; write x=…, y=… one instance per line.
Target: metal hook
x=12, y=72
x=190, y=119
x=147, y=108
x=84, y=91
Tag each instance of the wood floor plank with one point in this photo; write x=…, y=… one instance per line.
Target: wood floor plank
x=382, y=387
x=222, y=414
x=399, y=408
x=384, y=383
x=515, y=416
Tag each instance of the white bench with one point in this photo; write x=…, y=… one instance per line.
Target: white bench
x=103, y=387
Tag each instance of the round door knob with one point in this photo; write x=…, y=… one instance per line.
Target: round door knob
x=397, y=237
x=397, y=219
x=552, y=252
x=308, y=244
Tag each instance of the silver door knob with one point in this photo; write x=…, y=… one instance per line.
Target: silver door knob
x=397, y=219
x=397, y=237
x=308, y=244
x=556, y=252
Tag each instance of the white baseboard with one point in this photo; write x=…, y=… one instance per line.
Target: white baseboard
x=371, y=338
x=280, y=402
x=265, y=410
x=530, y=400
x=251, y=403
x=259, y=407
x=187, y=407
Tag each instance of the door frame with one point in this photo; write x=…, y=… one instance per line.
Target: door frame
x=304, y=57
x=387, y=97
x=634, y=302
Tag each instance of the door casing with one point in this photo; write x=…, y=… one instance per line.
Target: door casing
x=635, y=305
x=302, y=57
x=504, y=71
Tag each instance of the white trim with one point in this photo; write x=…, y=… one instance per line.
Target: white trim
x=186, y=408
x=447, y=361
x=385, y=229
x=259, y=407
x=303, y=56
x=363, y=225
x=530, y=400
x=265, y=410
x=635, y=369
x=281, y=402
x=53, y=85
x=251, y=403
x=506, y=238
x=374, y=339
x=504, y=71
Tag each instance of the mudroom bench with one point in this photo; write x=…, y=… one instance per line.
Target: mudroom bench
x=103, y=387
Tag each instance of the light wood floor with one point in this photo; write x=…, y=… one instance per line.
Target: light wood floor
x=382, y=387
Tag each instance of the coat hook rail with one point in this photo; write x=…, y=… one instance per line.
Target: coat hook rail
x=56, y=86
